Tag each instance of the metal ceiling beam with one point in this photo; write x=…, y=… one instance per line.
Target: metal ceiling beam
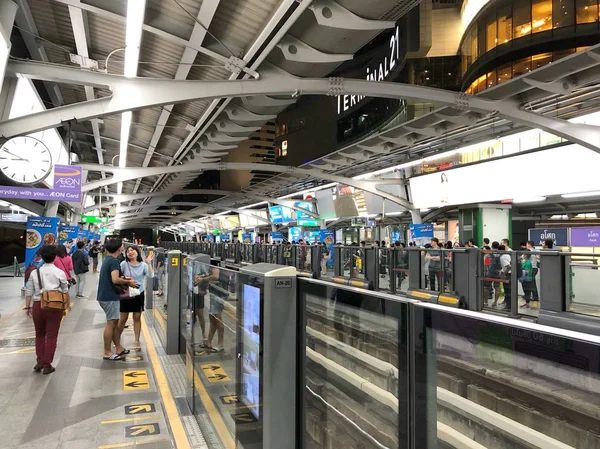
x=80, y=33
x=209, y=192
x=130, y=173
x=131, y=94
x=185, y=213
x=205, y=17
x=258, y=52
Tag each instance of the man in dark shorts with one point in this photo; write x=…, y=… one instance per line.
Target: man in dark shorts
x=109, y=300
x=94, y=251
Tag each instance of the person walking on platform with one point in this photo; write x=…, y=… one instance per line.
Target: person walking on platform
x=434, y=256
x=160, y=268
x=505, y=275
x=94, y=252
x=80, y=267
x=109, y=299
x=46, y=321
x=136, y=268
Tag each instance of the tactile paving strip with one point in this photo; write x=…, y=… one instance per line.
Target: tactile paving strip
x=194, y=433
x=17, y=343
x=177, y=378
x=212, y=441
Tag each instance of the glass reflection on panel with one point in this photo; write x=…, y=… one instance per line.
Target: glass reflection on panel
x=521, y=18
x=504, y=386
x=353, y=374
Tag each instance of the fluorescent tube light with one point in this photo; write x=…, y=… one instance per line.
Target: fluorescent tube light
x=581, y=194
x=534, y=199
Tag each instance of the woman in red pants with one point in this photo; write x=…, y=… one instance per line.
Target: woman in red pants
x=46, y=322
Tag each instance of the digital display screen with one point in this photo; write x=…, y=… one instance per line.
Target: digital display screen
x=250, y=349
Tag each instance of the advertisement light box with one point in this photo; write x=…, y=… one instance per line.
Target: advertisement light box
x=557, y=171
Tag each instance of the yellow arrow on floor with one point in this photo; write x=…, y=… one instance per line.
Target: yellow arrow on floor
x=140, y=408
x=147, y=429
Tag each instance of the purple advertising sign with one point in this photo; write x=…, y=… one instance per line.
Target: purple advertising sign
x=67, y=178
x=67, y=187
x=585, y=236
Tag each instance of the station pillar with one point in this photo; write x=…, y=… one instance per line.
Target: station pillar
x=493, y=221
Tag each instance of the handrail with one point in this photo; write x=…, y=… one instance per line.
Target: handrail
x=580, y=336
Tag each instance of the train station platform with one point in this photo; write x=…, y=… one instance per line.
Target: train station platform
x=87, y=402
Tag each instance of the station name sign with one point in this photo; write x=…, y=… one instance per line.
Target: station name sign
x=377, y=72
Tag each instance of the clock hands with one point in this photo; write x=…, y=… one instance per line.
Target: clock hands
x=19, y=158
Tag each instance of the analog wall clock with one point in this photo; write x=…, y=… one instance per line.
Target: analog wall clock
x=25, y=160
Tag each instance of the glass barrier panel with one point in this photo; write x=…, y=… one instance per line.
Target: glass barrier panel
x=491, y=384
x=583, y=277
x=159, y=299
x=327, y=262
x=212, y=361
x=356, y=390
x=353, y=258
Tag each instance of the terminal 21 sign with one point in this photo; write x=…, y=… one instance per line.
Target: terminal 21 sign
x=386, y=63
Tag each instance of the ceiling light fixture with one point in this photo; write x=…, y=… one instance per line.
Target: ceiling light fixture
x=133, y=39
x=581, y=194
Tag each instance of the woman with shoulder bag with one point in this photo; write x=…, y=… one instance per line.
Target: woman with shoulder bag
x=48, y=287
x=135, y=267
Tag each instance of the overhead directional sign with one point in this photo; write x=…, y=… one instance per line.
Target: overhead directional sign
x=142, y=430
x=139, y=409
x=135, y=380
x=215, y=373
x=93, y=219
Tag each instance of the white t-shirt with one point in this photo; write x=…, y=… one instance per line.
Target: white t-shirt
x=53, y=278
x=505, y=262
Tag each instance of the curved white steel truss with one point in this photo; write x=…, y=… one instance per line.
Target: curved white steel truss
x=138, y=93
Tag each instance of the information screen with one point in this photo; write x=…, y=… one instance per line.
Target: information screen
x=250, y=349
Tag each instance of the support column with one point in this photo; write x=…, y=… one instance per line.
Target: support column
x=51, y=209
x=485, y=220
x=8, y=11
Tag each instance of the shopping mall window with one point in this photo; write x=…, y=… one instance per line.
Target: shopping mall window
x=563, y=13
x=504, y=73
x=491, y=33
x=587, y=11
x=521, y=67
x=491, y=79
x=541, y=60
x=504, y=24
x=541, y=15
x=521, y=19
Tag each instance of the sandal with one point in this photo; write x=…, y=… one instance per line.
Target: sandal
x=113, y=357
x=137, y=347
x=216, y=350
x=124, y=352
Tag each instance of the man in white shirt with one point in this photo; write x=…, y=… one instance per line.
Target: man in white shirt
x=46, y=321
x=505, y=262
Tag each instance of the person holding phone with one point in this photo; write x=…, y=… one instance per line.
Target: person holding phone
x=135, y=267
x=109, y=299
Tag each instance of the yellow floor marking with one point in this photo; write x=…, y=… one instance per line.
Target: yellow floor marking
x=27, y=350
x=136, y=379
x=3, y=320
x=141, y=418
x=214, y=415
x=215, y=373
x=177, y=429
x=134, y=443
x=161, y=320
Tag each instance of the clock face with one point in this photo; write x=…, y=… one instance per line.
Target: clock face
x=25, y=160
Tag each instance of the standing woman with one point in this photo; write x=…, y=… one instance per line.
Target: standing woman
x=65, y=263
x=135, y=267
x=46, y=321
